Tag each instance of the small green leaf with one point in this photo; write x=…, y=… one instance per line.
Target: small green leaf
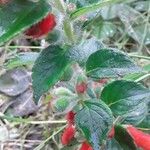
x=107, y=63
x=48, y=69
x=93, y=7
x=21, y=59
x=18, y=15
x=95, y=120
x=124, y=139
x=61, y=104
x=127, y=99
x=100, y=28
x=105, y=30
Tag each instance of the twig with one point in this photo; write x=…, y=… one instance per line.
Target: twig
x=49, y=138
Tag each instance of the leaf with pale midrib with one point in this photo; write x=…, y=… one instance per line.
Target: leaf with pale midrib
x=48, y=69
x=127, y=99
x=109, y=63
x=95, y=120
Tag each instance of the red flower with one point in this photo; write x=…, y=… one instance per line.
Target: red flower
x=43, y=27
x=70, y=117
x=68, y=135
x=111, y=133
x=141, y=139
x=85, y=146
x=81, y=87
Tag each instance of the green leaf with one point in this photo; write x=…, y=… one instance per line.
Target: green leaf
x=48, y=69
x=100, y=28
x=18, y=15
x=67, y=75
x=81, y=52
x=127, y=99
x=27, y=58
x=61, y=104
x=104, y=30
x=124, y=139
x=112, y=144
x=95, y=120
x=93, y=7
x=107, y=63
x=146, y=122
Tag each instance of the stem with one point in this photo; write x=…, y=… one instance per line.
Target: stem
x=68, y=30
x=67, y=25
x=60, y=6
x=49, y=122
x=27, y=121
x=117, y=120
x=142, y=78
x=30, y=47
x=139, y=56
x=144, y=129
x=49, y=138
x=82, y=11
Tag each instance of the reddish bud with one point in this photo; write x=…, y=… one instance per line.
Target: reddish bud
x=103, y=81
x=70, y=117
x=111, y=134
x=81, y=87
x=86, y=146
x=141, y=139
x=3, y=1
x=68, y=135
x=43, y=27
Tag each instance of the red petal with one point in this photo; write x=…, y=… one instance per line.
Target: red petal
x=70, y=117
x=140, y=138
x=111, y=133
x=68, y=135
x=86, y=146
x=43, y=27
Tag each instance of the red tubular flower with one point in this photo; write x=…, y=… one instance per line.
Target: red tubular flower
x=70, y=117
x=141, y=139
x=86, y=146
x=111, y=134
x=68, y=135
x=43, y=27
